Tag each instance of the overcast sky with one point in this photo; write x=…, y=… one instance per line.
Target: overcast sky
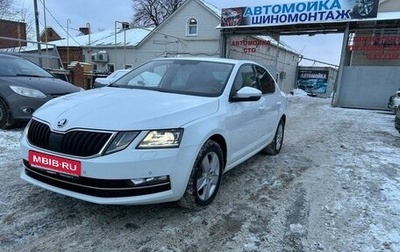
x=102, y=14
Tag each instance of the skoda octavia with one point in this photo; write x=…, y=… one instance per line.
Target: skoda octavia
x=166, y=131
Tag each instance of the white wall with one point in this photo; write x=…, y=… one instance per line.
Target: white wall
x=266, y=55
x=171, y=39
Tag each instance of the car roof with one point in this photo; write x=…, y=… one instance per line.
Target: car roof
x=6, y=55
x=209, y=59
x=123, y=70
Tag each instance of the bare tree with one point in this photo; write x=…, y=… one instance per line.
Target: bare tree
x=5, y=8
x=153, y=12
x=29, y=19
x=9, y=12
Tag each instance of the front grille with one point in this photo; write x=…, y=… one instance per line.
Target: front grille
x=77, y=143
x=105, y=188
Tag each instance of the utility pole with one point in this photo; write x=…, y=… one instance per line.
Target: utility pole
x=37, y=31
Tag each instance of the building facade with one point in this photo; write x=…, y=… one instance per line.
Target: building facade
x=13, y=34
x=370, y=66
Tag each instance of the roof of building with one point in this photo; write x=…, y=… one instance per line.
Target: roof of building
x=118, y=37
x=123, y=37
x=51, y=28
x=212, y=8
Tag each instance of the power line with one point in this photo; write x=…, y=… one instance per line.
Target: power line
x=51, y=14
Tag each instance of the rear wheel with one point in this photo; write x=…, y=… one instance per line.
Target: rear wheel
x=205, y=178
x=275, y=147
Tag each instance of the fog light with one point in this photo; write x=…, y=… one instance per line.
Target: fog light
x=27, y=110
x=150, y=180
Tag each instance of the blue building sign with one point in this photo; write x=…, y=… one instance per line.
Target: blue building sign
x=313, y=81
x=276, y=13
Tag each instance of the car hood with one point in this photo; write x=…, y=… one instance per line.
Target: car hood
x=48, y=86
x=125, y=109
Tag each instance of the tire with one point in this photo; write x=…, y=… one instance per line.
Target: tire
x=5, y=116
x=205, y=177
x=276, y=145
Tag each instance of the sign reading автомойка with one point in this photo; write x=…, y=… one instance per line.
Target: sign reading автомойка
x=299, y=12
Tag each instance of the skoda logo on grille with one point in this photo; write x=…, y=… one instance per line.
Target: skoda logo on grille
x=62, y=122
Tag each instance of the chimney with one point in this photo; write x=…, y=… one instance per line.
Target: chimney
x=84, y=30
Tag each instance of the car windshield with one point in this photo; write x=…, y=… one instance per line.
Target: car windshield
x=116, y=74
x=21, y=67
x=193, y=77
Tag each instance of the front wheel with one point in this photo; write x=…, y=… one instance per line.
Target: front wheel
x=205, y=178
x=5, y=116
x=276, y=145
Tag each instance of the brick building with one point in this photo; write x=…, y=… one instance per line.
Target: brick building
x=14, y=31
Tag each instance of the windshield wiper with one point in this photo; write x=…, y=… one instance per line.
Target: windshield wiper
x=32, y=75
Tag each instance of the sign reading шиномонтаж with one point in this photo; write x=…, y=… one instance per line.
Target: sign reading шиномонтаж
x=299, y=12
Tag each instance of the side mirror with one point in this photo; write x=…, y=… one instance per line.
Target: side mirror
x=247, y=94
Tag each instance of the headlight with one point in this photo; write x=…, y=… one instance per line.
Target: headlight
x=121, y=141
x=28, y=92
x=170, y=138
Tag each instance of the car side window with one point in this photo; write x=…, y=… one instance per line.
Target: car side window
x=245, y=77
x=267, y=83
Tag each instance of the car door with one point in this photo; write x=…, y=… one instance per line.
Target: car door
x=246, y=119
x=271, y=101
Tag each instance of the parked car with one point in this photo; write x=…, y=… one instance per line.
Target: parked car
x=101, y=82
x=397, y=119
x=24, y=87
x=134, y=142
x=394, y=101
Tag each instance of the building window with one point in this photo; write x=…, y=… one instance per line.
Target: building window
x=192, y=27
x=128, y=66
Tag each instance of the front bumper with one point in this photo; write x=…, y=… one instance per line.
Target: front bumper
x=22, y=108
x=113, y=179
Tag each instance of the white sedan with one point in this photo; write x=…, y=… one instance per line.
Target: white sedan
x=101, y=82
x=168, y=139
